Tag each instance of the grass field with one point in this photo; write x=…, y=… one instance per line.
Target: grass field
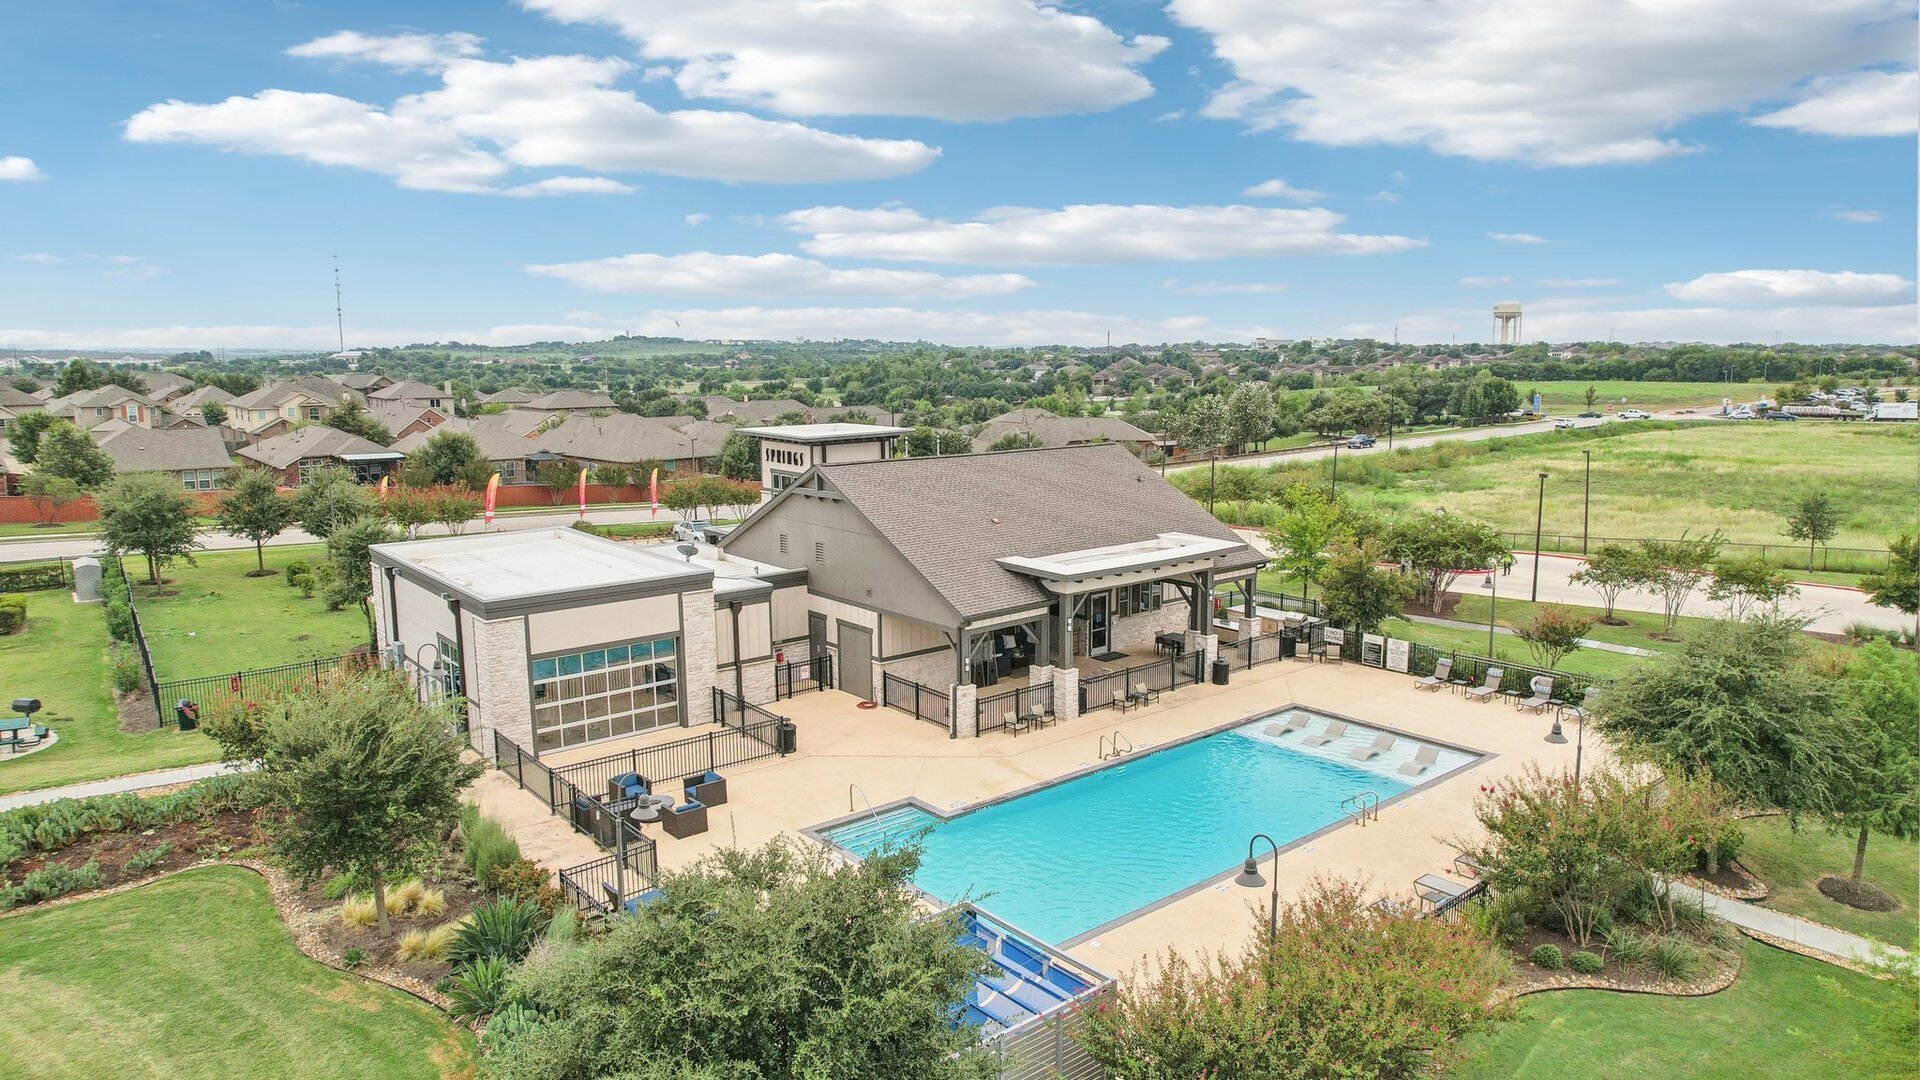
x=1569, y=397
x=1786, y=1017
x=195, y=976
x=1792, y=864
x=1739, y=478
x=219, y=620
x=60, y=658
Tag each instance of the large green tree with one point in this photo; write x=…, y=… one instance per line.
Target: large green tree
x=254, y=508
x=330, y=497
x=1356, y=593
x=1747, y=584
x=359, y=777
x=67, y=451
x=1880, y=791
x=740, y=457
x=1301, y=538
x=348, y=551
x=776, y=964
x=24, y=432
x=49, y=493
x=1441, y=548
x=1611, y=570
x=78, y=375
x=1897, y=585
x=151, y=514
x=447, y=459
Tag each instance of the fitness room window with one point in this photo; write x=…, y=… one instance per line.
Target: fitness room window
x=593, y=694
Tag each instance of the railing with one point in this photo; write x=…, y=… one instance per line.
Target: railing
x=1789, y=556
x=588, y=884
x=990, y=713
x=1362, y=806
x=1253, y=651
x=1110, y=746
x=34, y=576
x=922, y=702
x=728, y=743
x=261, y=682
x=1472, y=669
x=1473, y=892
x=1304, y=604
x=589, y=815
x=1167, y=673
x=799, y=676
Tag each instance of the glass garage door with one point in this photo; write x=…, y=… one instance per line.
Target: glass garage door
x=602, y=693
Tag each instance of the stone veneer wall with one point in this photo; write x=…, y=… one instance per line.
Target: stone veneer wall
x=503, y=689
x=698, y=655
x=934, y=669
x=1135, y=633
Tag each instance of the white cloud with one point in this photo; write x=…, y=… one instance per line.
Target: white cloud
x=405, y=52
x=1083, y=234
x=1170, y=116
x=704, y=273
x=570, y=185
x=488, y=119
x=956, y=327
x=1280, y=189
x=1803, y=287
x=1385, y=196
x=44, y=258
x=1829, y=324
x=696, y=220
x=1855, y=217
x=1223, y=288
x=1517, y=238
x=1862, y=103
x=1546, y=83
x=1476, y=280
x=982, y=60
x=1579, y=282
x=16, y=168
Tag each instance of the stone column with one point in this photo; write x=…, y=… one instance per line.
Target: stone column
x=1066, y=693
x=504, y=695
x=1210, y=646
x=699, y=658
x=966, y=714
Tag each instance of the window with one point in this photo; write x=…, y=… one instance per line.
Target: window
x=200, y=479
x=259, y=414
x=450, y=663
x=507, y=471
x=603, y=693
x=313, y=412
x=782, y=481
x=308, y=465
x=1137, y=599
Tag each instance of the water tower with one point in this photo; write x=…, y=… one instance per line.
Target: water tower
x=1506, y=323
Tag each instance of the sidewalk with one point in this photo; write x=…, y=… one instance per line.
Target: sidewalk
x=115, y=784
x=1823, y=939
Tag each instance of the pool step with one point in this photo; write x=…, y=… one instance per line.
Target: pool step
x=889, y=827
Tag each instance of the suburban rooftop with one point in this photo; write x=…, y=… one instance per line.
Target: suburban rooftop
x=824, y=433
x=493, y=567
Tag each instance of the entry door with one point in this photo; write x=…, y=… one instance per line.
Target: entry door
x=1099, y=629
x=854, y=670
x=816, y=634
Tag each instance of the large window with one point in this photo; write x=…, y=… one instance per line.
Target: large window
x=200, y=479
x=593, y=694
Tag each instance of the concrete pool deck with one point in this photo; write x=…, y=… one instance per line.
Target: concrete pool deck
x=891, y=756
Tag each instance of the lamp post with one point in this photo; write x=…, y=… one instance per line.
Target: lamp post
x=1249, y=877
x=1493, y=603
x=1586, y=502
x=1558, y=737
x=1334, y=491
x=1539, y=515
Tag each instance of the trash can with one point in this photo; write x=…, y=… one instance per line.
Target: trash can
x=1220, y=668
x=187, y=715
x=1289, y=643
x=789, y=737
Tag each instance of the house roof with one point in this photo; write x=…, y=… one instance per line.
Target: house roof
x=626, y=438
x=953, y=518
x=11, y=398
x=512, y=395
x=312, y=441
x=407, y=391
x=362, y=381
x=394, y=415
x=275, y=393
x=753, y=412
x=107, y=395
x=1054, y=430
x=138, y=449
x=165, y=384
x=193, y=399
x=572, y=399
x=825, y=433
x=511, y=573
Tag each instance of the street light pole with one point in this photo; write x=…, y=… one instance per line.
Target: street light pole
x=1493, y=606
x=1249, y=877
x=1586, y=503
x=1334, y=491
x=1539, y=512
x=1559, y=738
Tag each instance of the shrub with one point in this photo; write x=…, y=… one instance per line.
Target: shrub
x=1585, y=962
x=1628, y=948
x=295, y=569
x=504, y=928
x=564, y=930
x=304, y=582
x=151, y=857
x=358, y=913
x=13, y=613
x=353, y=958
x=119, y=616
x=425, y=946
x=479, y=989
x=1547, y=956
x=32, y=577
x=126, y=669
x=524, y=879
x=402, y=898
x=53, y=825
x=484, y=844
x=431, y=905
x=1676, y=958
x=49, y=882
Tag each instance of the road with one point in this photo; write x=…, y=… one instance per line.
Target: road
x=73, y=546
x=1463, y=435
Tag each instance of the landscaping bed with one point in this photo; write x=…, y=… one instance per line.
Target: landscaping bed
x=1717, y=970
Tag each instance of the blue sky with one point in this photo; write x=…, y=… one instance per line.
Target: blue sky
x=181, y=174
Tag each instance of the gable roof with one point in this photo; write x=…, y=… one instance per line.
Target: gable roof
x=105, y=396
x=952, y=518
x=193, y=399
x=362, y=381
x=311, y=441
x=394, y=415
x=407, y=391
x=138, y=449
x=572, y=399
x=1054, y=430
x=512, y=395
x=753, y=412
x=19, y=400
x=275, y=393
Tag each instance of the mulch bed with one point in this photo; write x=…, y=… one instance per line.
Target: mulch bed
x=1734, y=881
x=1865, y=896
x=189, y=843
x=1528, y=978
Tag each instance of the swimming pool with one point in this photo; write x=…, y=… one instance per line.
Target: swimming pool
x=1066, y=859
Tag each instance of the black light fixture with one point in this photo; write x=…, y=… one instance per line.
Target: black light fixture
x=1539, y=516
x=1250, y=878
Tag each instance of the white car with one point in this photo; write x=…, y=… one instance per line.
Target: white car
x=1742, y=413
x=1564, y=423
x=1635, y=414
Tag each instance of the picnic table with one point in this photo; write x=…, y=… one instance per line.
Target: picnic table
x=19, y=731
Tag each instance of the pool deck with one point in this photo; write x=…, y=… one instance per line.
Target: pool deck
x=891, y=756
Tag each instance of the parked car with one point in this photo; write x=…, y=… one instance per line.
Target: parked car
x=1359, y=442
x=1589, y=416
x=1635, y=414
x=695, y=530
x=1742, y=413
x=1781, y=416
x=1564, y=423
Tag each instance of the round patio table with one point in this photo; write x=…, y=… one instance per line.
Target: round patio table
x=649, y=806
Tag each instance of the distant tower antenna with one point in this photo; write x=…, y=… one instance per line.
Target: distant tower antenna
x=339, y=317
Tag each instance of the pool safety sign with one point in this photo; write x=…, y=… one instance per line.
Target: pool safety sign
x=1373, y=650
x=1397, y=655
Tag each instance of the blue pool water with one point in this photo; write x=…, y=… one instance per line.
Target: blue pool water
x=1064, y=859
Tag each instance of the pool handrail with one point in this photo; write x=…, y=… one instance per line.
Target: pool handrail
x=1362, y=806
x=1112, y=743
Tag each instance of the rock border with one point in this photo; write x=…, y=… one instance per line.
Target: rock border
x=1541, y=981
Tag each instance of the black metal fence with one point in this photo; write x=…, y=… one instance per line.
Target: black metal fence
x=1788, y=556
x=1167, y=673
x=799, y=676
x=592, y=887
x=1260, y=649
x=1304, y=604
x=742, y=735
x=245, y=685
x=923, y=702
x=991, y=712
x=1471, y=669
x=584, y=884
x=36, y=576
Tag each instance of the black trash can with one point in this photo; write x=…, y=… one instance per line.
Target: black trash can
x=187, y=715
x=789, y=738
x=1220, y=668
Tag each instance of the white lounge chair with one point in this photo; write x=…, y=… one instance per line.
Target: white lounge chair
x=1442, y=671
x=1486, y=690
x=1542, y=694
x=1380, y=745
x=1335, y=729
x=1123, y=701
x=1423, y=759
x=1294, y=723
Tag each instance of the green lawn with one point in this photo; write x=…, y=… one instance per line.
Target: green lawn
x=219, y=620
x=195, y=976
x=1792, y=864
x=60, y=658
x=1786, y=1017
x=1570, y=397
x=30, y=530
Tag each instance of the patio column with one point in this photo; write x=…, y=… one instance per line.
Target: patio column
x=966, y=711
x=1066, y=605
x=1066, y=693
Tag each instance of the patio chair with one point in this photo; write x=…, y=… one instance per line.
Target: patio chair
x=1542, y=694
x=1579, y=712
x=1012, y=723
x=1145, y=695
x=1044, y=717
x=1335, y=729
x=708, y=788
x=1442, y=671
x=1488, y=688
x=1436, y=890
x=1123, y=700
x=687, y=819
x=628, y=786
x=1380, y=745
x=1294, y=723
x=1423, y=760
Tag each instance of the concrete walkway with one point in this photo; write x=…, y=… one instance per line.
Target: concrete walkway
x=1825, y=940
x=115, y=784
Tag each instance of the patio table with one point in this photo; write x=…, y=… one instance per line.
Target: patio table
x=648, y=807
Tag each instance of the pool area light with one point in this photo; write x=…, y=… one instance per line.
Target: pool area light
x=1249, y=877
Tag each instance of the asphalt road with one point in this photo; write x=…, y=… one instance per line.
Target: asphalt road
x=1465, y=435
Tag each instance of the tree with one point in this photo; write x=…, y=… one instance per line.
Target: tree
x=740, y=457
x=360, y=778
x=1553, y=632
x=611, y=474
x=1301, y=538
x=151, y=514
x=556, y=476
x=925, y=441
x=1673, y=569
x=1815, y=519
x=1591, y=397
x=213, y=413
x=78, y=375
x=408, y=509
x=352, y=561
x=255, y=509
x=1356, y=593
x=49, y=493
x=452, y=508
x=1743, y=584
x=352, y=417
x=1202, y=425
x=1897, y=585
x=1441, y=548
x=784, y=962
x=67, y=451
x=1015, y=440
x=1485, y=397
x=330, y=496
x=446, y=459
x=1880, y=792
x=1610, y=571
x=1249, y=417
x=24, y=432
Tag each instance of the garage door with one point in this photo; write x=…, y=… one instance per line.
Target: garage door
x=854, y=669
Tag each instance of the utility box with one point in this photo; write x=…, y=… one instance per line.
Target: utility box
x=86, y=580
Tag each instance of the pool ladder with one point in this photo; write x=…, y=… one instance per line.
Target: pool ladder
x=851, y=788
x=1362, y=806
x=1110, y=746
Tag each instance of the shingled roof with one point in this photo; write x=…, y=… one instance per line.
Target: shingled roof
x=1055, y=430
x=953, y=517
x=312, y=441
x=138, y=449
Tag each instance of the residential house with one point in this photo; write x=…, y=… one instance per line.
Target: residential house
x=276, y=407
x=363, y=383
x=402, y=418
x=415, y=395
x=14, y=404
x=1053, y=430
x=297, y=453
x=512, y=395
x=766, y=411
x=193, y=454
x=572, y=401
x=164, y=386
x=191, y=402
x=89, y=408
x=678, y=444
